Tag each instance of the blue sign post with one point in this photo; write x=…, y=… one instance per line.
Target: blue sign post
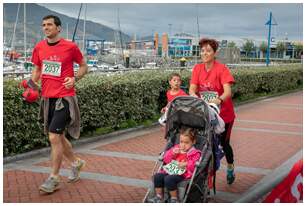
x=269, y=39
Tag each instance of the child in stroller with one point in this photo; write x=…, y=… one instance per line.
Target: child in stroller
x=179, y=165
x=192, y=112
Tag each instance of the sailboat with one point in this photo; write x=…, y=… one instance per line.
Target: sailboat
x=15, y=62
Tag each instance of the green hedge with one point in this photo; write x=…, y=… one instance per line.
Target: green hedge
x=113, y=102
x=264, y=81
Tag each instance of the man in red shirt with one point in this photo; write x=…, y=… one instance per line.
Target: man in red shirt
x=213, y=78
x=53, y=59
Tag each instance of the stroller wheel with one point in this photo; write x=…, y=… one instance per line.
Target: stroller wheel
x=206, y=196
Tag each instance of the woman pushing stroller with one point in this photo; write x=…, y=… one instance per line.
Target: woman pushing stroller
x=211, y=78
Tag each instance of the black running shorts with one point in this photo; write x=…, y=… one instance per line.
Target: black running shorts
x=58, y=119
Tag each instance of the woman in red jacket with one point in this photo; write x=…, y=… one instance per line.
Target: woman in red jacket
x=213, y=78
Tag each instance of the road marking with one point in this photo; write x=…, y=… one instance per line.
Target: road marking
x=268, y=131
x=252, y=170
x=288, y=105
x=90, y=175
x=268, y=122
x=227, y=196
x=120, y=154
x=284, y=106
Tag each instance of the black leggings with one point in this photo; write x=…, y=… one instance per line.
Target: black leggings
x=169, y=181
x=225, y=142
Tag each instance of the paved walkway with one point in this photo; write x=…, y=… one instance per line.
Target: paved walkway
x=266, y=135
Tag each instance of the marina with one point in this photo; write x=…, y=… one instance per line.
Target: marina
x=169, y=50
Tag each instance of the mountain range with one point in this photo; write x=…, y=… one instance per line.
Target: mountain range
x=34, y=15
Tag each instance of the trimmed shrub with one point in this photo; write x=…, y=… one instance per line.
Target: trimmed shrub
x=111, y=102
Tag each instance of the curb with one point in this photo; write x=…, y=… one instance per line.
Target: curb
x=46, y=150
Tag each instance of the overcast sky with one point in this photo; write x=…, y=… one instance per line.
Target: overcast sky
x=221, y=21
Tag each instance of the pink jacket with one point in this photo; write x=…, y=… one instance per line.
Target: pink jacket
x=193, y=155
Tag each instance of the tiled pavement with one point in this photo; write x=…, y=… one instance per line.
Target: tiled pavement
x=265, y=135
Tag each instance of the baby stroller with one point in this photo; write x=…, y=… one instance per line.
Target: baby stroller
x=190, y=112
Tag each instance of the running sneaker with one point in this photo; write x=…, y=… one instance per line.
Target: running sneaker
x=155, y=199
x=230, y=177
x=50, y=185
x=173, y=200
x=75, y=170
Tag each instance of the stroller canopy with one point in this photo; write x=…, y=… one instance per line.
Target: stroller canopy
x=187, y=111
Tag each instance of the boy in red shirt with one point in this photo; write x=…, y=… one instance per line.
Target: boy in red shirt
x=175, y=90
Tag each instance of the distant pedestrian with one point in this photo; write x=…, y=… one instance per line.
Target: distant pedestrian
x=213, y=78
x=53, y=60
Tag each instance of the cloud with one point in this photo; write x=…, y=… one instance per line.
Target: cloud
x=223, y=20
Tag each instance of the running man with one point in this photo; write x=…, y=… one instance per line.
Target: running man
x=53, y=59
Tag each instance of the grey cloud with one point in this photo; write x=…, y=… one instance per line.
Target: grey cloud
x=224, y=20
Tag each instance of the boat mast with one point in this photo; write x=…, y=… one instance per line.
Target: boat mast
x=84, y=29
x=76, y=24
x=14, y=32
x=120, y=35
x=198, y=36
x=67, y=36
x=25, y=31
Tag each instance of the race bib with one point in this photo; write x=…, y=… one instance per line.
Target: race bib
x=208, y=95
x=173, y=169
x=52, y=68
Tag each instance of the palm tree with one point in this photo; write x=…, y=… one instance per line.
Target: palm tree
x=280, y=48
x=248, y=46
x=263, y=48
x=231, y=44
x=298, y=47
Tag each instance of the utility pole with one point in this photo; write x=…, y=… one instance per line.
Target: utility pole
x=269, y=39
